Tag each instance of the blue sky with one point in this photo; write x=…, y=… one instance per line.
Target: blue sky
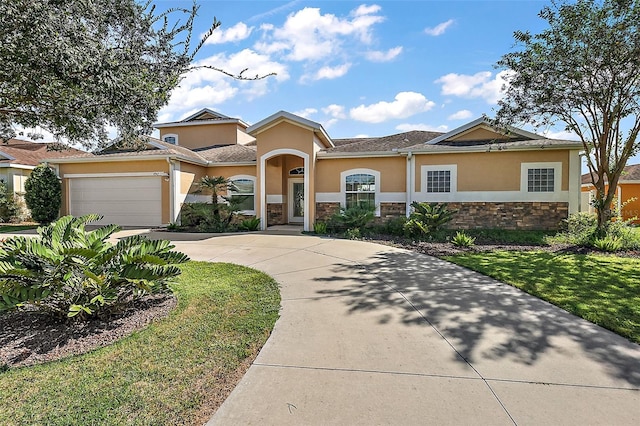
x=358, y=68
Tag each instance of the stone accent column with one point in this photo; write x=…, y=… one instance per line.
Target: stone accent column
x=275, y=214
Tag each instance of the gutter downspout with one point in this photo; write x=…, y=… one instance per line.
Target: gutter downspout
x=409, y=184
x=172, y=196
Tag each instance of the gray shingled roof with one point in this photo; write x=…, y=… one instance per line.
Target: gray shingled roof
x=384, y=143
x=492, y=145
x=630, y=173
x=230, y=154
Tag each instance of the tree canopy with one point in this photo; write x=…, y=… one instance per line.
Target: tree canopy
x=583, y=71
x=76, y=67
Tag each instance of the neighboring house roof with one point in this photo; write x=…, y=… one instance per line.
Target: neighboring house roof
x=382, y=144
x=630, y=174
x=204, y=116
x=279, y=116
x=26, y=153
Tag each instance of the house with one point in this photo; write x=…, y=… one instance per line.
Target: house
x=18, y=158
x=627, y=193
x=289, y=170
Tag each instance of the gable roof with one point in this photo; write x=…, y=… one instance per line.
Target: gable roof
x=204, y=116
x=630, y=174
x=26, y=153
x=279, y=116
x=388, y=144
x=484, y=120
x=230, y=154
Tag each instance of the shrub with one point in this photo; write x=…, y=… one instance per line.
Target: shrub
x=353, y=233
x=320, y=228
x=608, y=243
x=9, y=207
x=252, y=224
x=351, y=218
x=427, y=218
x=43, y=194
x=68, y=271
x=462, y=240
x=207, y=217
x=395, y=226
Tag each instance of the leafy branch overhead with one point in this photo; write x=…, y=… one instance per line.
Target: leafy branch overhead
x=582, y=71
x=76, y=68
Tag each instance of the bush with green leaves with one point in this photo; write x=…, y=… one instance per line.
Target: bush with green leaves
x=461, y=239
x=251, y=224
x=320, y=228
x=68, y=271
x=608, y=243
x=9, y=207
x=43, y=194
x=427, y=218
x=356, y=217
x=582, y=230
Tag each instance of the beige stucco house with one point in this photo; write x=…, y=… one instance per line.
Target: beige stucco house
x=291, y=171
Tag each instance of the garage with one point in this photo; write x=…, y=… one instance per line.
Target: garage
x=127, y=201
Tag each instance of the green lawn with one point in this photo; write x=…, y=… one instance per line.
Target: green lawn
x=173, y=372
x=602, y=289
x=6, y=229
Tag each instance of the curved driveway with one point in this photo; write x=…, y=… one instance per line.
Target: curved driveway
x=370, y=334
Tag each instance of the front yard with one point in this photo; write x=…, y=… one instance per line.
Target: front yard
x=603, y=289
x=176, y=371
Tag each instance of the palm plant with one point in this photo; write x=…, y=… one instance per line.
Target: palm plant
x=216, y=184
x=67, y=270
x=428, y=217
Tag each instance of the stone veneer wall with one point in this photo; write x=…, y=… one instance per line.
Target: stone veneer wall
x=275, y=214
x=325, y=210
x=390, y=211
x=514, y=215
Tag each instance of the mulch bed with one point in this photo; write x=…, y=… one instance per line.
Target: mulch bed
x=28, y=337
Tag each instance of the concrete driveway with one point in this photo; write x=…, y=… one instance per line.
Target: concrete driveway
x=370, y=334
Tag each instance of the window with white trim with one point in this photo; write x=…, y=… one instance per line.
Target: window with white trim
x=170, y=138
x=360, y=190
x=297, y=171
x=438, y=181
x=541, y=180
x=244, y=194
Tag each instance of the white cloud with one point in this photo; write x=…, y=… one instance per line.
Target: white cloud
x=203, y=87
x=335, y=111
x=561, y=134
x=480, y=85
x=330, y=73
x=439, y=29
x=461, y=115
x=308, y=35
x=238, y=32
x=380, y=56
x=329, y=123
x=306, y=113
x=406, y=127
x=405, y=105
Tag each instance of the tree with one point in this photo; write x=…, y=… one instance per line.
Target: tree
x=43, y=194
x=216, y=184
x=76, y=67
x=583, y=71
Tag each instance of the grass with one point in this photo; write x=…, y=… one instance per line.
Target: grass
x=175, y=371
x=602, y=289
x=5, y=229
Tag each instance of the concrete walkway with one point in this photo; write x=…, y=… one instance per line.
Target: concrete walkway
x=370, y=334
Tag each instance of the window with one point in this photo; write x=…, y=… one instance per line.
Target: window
x=439, y=181
x=297, y=171
x=360, y=190
x=540, y=180
x=244, y=194
x=172, y=139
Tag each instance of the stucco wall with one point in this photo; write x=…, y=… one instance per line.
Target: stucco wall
x=392, y=170
x=202, y=135
x=478, y=134
x=492, y=171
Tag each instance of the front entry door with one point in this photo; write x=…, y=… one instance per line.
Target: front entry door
x=296, y=200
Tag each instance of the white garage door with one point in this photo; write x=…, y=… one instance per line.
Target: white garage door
x=129, y=201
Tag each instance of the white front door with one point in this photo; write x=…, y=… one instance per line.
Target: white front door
x=296, y=200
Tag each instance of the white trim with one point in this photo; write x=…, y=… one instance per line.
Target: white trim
x=175, y=198
x=479, y=122
x=252, y=179
x=410, y=181
x=16, y=166
x=492, y=196
x=201, y=123
x=206, y=111
x=557, y=176
x=393, y=197
x=290, y=183
x=109, y=175
x=125, y=158
x=275, y=199
x=368, y=154
x=329, y=197
x=279, y=116
x=7, y=156
x=343, y=186
x=171, y=135
x=452, y=195
x=263, y=184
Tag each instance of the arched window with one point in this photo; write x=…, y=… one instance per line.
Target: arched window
x=171, y=138
x=298, y=171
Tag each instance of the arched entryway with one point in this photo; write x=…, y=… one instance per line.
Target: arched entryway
x=284, y=188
